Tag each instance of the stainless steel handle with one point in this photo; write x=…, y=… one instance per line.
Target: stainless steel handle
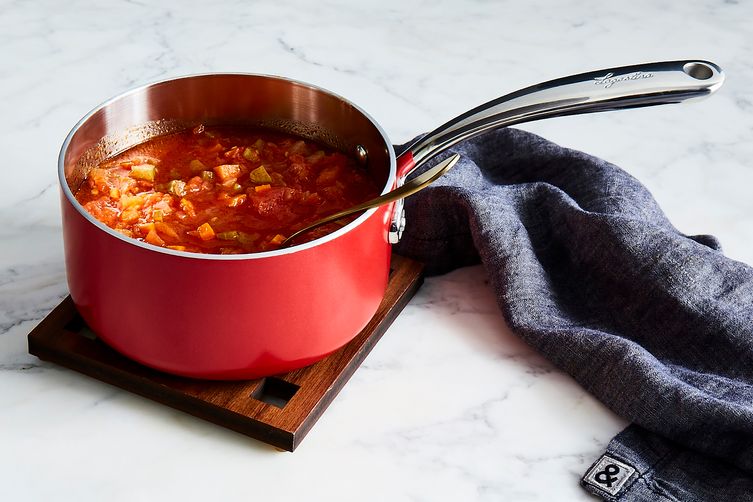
x=610, y=89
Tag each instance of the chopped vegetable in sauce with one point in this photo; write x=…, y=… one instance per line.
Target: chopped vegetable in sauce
x=222, y=190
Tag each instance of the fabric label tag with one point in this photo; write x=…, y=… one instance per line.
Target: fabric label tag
x=609, y=475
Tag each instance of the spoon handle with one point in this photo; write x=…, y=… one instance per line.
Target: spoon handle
x=409, y=188
x=609, y=89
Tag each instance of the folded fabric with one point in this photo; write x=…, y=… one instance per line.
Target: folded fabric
x=587, y=269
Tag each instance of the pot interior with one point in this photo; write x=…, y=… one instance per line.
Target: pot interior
x=226, y=99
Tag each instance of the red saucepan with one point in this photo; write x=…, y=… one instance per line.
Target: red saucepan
x=244, y=316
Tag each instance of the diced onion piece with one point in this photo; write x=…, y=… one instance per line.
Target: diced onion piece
x=236, y=201
x=158, y=215
x=328, y=175
x=196, y=165
x=143, y=172
x=207, y=175
x=227, y=171
x=260, y=175
x=315, y=157
x=262, y=188
x=297, y=147
x=177, y=188
x=206, y=232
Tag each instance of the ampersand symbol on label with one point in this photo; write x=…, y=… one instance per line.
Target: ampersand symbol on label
x=608, y=475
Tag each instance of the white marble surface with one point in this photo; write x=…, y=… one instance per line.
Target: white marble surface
x=450, y=406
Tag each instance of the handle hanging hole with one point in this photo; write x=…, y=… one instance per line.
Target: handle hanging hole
x=698, y=71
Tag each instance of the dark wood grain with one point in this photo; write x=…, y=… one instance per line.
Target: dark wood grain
x=251, y=407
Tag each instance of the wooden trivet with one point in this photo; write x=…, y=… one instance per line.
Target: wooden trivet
x=277, y=410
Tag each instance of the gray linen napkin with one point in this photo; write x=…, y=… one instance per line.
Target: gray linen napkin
x=588, y=270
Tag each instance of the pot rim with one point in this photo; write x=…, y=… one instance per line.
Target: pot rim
x=220, y=257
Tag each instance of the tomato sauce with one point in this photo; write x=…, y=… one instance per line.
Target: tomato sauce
x=223, y=190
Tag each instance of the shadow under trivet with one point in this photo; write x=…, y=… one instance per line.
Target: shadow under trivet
x=278, y=410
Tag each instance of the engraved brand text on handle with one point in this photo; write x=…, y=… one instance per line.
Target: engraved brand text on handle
x=609, y=79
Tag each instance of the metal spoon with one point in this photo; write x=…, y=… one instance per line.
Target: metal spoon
x=409, y=188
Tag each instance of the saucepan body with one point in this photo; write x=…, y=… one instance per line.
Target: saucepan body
x=225, y=316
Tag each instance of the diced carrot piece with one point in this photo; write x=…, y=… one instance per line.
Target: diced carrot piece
x=130, y=215
x=143, y=172
x=277, y=239
x=127, y=201
x=153, y=238
x=227, y=171
x=206, y=232
x=187, y=206
x=166, y=230
x=146, y=227
x=262, y=188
